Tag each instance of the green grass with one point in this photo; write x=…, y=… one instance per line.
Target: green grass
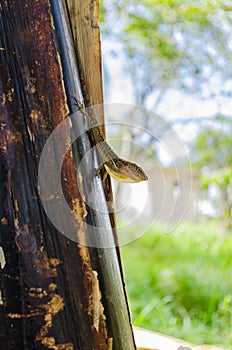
x=181, y=284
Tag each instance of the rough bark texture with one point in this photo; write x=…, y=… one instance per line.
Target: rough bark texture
x=48, y=286
x=52, y=289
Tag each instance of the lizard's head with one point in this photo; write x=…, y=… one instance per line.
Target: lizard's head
x=126, y=171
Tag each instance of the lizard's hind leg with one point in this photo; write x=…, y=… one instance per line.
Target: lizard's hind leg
x=99, y=169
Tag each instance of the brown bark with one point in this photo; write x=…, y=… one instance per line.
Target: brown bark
x=52, y=288
x=47, y=282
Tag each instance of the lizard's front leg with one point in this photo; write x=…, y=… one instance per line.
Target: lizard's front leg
x=110, y=164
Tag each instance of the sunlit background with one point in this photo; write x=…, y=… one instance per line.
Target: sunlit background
x=174, y=59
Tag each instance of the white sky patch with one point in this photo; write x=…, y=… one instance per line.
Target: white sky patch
x=187, y=132
x=120, y=86
x=139, y=196
x=121, y=89
x=178, y=105
x=135, y=196
x=206, y=208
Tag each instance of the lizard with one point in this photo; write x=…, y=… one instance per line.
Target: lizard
x=118, y=168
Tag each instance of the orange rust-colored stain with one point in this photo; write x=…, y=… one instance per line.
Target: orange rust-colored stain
x=54, y=306
x=48, y=310
x=10, y=94
x=4, y=221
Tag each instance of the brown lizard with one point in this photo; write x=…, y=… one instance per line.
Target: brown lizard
x=120, y=169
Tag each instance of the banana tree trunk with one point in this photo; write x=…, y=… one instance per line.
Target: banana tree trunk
x=57, y=291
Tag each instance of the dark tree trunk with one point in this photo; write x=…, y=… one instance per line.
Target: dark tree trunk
x=52, y=288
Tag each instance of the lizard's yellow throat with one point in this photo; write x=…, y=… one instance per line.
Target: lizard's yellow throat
x=127, y=176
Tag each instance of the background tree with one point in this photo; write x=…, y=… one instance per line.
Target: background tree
x=212, y=154
x=171, y=44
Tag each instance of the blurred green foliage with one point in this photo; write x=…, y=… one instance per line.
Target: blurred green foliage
x=221, y=178
x=179, y=44
x=212, y=153
x=212, y=148
x=180, y=284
